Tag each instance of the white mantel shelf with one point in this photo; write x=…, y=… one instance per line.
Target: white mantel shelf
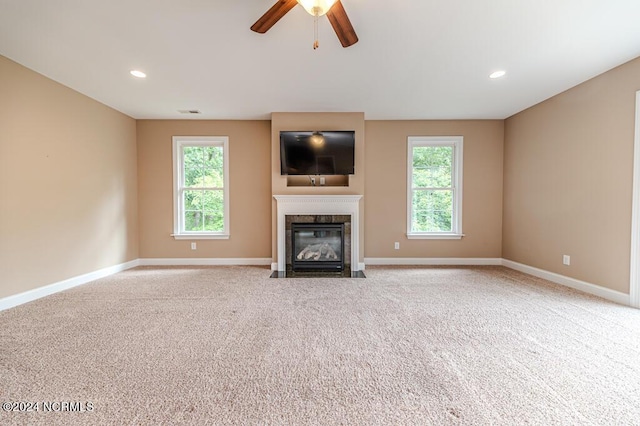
x=289, y=205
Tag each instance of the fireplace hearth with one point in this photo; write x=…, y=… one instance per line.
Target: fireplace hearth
x=317, y=246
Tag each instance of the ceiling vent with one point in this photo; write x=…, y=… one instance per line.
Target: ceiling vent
x=189, y=111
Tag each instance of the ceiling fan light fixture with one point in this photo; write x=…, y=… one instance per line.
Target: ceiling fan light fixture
x=316, y=7
x=333, y=10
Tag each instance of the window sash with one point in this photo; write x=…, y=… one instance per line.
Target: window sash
x=201, y=210
x=432, y=211
x=203, y=166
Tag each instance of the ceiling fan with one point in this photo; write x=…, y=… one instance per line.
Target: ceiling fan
x=332, y=8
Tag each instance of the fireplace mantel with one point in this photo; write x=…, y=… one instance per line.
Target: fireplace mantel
x=319, y=205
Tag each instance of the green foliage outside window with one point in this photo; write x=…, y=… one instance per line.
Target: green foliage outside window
x=432, y=204
x=204, y=188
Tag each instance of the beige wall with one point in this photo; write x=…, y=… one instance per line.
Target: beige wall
x=386, y=189
x=68, y=193
x=249, y=189
x=85, y=187
x=292, y=121
x=568, y=180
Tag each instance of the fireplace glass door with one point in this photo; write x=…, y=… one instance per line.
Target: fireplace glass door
x=317, y=246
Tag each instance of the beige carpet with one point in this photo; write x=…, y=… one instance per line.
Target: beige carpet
x=227, y=345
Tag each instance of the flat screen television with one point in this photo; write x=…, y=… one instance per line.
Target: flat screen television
x=317, y=153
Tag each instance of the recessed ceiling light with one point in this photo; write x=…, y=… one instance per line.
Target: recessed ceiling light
x=138, y=74
x=497, y=74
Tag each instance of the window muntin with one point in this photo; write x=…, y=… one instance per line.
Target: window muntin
x=201, y=200
x=434, y=187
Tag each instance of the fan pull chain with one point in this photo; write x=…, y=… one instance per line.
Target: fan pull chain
x=315, y=31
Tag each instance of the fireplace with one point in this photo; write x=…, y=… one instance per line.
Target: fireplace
x=317, y=246
x=297, y=207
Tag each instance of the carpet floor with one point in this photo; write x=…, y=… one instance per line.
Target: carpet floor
x=406, y=346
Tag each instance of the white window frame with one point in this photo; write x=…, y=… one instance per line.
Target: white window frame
x=456, y=142
x=179, y=142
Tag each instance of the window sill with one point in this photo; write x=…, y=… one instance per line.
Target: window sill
x=418, y=236
x=200, y=236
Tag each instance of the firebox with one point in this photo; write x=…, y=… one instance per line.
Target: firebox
x=317, y=246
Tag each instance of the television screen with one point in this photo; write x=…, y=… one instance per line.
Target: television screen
x=317, y=153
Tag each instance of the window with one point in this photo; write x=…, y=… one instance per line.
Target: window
x=201, y=187
x=434, y=183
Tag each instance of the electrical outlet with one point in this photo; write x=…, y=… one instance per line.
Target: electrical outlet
x=193, y=246
x=566, y=260
x=396, y=246
x=322, y=180
x=313, y=181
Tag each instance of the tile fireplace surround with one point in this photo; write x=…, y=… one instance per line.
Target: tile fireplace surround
x=288, y=205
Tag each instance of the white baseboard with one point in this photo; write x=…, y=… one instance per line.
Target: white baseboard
x=420, y=261
x=37, y=293
x=596, y=290
x=205, y=261
x=31, y=295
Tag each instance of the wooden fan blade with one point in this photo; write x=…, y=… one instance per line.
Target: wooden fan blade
x=273, y=15
x=342, y=25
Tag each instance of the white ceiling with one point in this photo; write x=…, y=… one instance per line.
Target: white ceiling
x=416, y=59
